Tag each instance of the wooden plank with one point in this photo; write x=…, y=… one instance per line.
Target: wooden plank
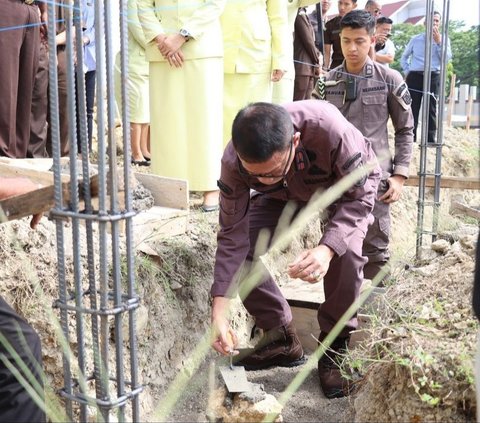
x=33, y=202
x=41, y=200
x=167, y=192
x=36, y=164
x=306, y=323
x=469, y=109
x=304, y=300
x=454, y=182
x=308, y=329
x=451, y=100
x=43, y=177
x=456, y=206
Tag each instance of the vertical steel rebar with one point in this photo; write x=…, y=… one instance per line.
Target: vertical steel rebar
x=437, y=147
x=55, y=133
x=441, y=104
x=130, y=253
x=102, y=208
x=76, y=89
x=424, y=133
x=114, y=209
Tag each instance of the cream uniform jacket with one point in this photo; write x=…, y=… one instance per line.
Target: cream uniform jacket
x=136, y=41
x=198, y=17
x=283, y=89
x=256, y=39
x=255, y=36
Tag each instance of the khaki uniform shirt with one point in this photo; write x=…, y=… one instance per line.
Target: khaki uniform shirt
x=381, y=94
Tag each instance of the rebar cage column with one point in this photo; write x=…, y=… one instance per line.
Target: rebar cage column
x=425, y=148
x=91, y=294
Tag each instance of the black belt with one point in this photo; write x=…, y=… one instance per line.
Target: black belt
x=421, y=72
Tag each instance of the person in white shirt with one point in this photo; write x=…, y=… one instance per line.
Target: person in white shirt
x=384, y=47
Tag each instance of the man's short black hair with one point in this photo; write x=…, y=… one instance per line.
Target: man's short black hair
x=357, y=19
x=384, y=20
x=261, y=129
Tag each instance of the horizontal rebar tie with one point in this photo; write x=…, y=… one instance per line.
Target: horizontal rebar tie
x=130, y=304
x=115, y=403
x=60, y=213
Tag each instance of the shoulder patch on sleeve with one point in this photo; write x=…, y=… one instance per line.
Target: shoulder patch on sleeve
x=351, y=161
x=224, y=187
x=355, y=162
x=402, y=95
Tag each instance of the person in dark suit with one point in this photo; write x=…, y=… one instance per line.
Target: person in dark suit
x=413, y=65
x=305, y=55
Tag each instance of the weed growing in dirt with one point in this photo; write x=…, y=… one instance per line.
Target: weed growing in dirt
x=420, y=342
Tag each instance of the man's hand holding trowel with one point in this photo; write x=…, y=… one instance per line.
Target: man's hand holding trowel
x=225, y=340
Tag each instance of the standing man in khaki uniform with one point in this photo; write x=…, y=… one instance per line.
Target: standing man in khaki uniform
x=368, y=94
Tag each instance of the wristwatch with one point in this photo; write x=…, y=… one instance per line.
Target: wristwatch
x=185, y=34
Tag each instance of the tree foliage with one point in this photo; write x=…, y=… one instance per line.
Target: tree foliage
x=464, y=44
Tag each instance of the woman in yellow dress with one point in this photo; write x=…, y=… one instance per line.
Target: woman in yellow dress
x=185, y=51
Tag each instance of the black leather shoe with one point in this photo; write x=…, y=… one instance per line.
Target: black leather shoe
x=278, y=347
x=332, y=382
x=208, y=209
x=140, y=162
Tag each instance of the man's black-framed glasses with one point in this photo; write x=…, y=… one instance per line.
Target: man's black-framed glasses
x=245, y=172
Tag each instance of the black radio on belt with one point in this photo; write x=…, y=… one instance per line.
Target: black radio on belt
x=351, y=89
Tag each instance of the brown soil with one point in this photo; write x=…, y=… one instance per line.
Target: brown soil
x=422, y=339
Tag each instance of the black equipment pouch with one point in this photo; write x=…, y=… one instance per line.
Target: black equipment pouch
x=351, y=89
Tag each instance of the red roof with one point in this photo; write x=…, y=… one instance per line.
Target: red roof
x=414, y=20
x=391, y=8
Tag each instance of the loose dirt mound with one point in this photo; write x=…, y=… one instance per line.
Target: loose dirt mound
x=417, y=359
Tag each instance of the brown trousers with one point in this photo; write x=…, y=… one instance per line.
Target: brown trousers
x=38, y=121
x=62, y=106
x=342, y=282
x=303, y=87
x=19, y=47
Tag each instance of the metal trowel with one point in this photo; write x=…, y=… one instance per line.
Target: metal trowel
x=235, y=377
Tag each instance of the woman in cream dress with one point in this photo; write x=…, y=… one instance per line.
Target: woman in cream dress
x=138, y=87
x=185, y=51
